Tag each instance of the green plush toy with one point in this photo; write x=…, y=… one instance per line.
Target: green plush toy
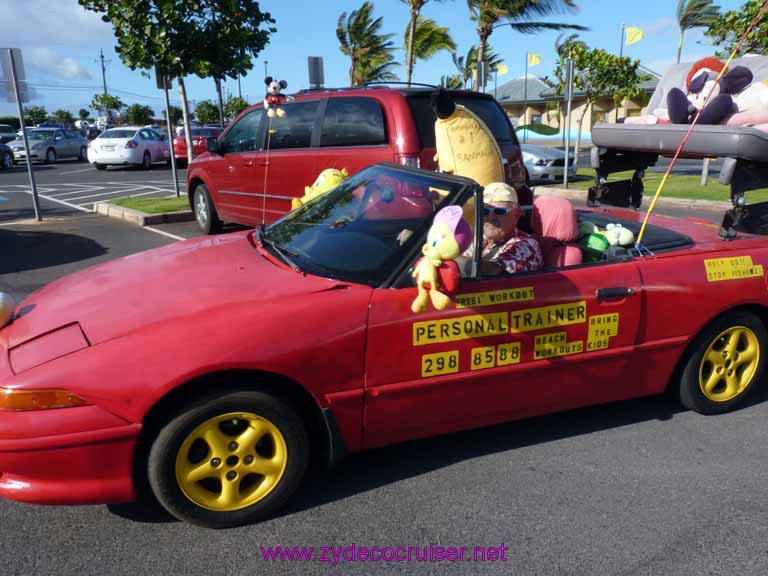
x=593, y=246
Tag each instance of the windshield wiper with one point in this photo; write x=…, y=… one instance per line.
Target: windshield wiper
x=284, y=253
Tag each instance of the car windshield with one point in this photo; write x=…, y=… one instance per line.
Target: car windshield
x=40, y=134
x=118, y=134
x=362, y=230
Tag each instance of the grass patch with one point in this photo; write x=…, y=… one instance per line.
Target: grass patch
x=542, y=129
x=152, y=205
x=678, y=186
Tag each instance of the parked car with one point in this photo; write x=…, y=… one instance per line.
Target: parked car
x=50, y=145
x=91, y=133
x=128, y=145
x=546, y=164
x=199, y=139
x=6, y=157
x=349, y=128
x=192, y=124
x=7, y=134
x=211, y=373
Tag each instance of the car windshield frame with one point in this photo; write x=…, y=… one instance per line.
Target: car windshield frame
x=285, y=242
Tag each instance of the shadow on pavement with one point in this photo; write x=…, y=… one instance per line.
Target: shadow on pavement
x=17, y=168
x=144, y=513
x=29, y=250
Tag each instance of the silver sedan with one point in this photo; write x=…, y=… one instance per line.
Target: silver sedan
x=51, y=144
x=546, y=164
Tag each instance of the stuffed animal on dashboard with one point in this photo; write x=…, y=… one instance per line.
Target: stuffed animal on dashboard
x=448, y=237
x=617, y=235
x=327, y=180
x=700, y=82
x=465, y=145
x=274, y=99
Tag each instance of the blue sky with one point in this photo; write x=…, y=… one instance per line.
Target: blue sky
x=61, y=43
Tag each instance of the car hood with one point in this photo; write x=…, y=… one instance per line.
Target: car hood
x=19, y=142
x=544, y=152
x=183, y=279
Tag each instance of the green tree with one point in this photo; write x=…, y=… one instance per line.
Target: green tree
x=139, y=114
x=726, y=30
x=467, y=65
x=517, y=14
x=694, y=14
x=35, y=114
x=105, y=103
x=63, y=117
x=598, y=73
x=206, y=111
x=411, y=36
x=181, y=37
x=234, y=106
x=371, y=52
x=429, y=40
x=83, y=114
x=452, y=82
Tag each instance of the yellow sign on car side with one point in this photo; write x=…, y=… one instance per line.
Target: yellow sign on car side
x=548, y=316
x=462, y=328
x=736, y=268
x=601, y=329
x=480, y=299
x=439, y=363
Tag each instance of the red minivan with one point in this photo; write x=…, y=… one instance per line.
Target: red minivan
x=258, y=165
x=199, y=137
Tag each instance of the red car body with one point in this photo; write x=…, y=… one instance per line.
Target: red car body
x=199, y=136
x=136, y=336
x=257, y=185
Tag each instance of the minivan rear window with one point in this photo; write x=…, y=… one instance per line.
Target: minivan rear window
x=487, y=109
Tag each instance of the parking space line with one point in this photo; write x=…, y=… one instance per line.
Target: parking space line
x=163, y=233
x=67, y=204
x=62, y=194
x=76, y=171
x=106, y=193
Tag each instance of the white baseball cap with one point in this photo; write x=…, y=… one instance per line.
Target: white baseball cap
x=499, y=192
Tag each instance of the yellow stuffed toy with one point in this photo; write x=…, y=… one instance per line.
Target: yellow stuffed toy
x=465, y=145
x=327, y=180
x=448, y=237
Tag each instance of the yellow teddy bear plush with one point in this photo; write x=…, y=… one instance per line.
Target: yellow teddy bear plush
x=327, y=180
x=465, y=145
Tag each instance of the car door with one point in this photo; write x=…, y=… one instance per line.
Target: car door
x=288, y=162
x=233, y=174
x=62, y=144
x=506, y=347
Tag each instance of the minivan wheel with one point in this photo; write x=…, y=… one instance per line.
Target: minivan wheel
x=205, y=211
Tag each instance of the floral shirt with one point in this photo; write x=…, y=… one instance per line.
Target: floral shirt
x=521, y=253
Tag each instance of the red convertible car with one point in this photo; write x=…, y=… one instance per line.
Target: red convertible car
x=211, y=373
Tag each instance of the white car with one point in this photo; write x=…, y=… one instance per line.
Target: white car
x=128, y=145
x=546, y=164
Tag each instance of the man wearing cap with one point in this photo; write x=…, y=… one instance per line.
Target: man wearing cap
x=505, y=248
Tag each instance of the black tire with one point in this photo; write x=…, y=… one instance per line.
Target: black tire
x=83, y=154
x=50, y=156
x=162, y=459
x=7, y=161
x=205, y=211
x=100, y=166
x=717, y=335
x=146, y=161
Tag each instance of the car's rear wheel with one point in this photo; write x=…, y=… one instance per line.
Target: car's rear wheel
x=100, y=166
x=50, y=156
x=7, y=161
x=725, y=363
x=229, y=460
x=83, y=154
x=146, y=161
x=205, y=211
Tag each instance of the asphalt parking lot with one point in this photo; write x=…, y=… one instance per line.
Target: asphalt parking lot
x=635, y=488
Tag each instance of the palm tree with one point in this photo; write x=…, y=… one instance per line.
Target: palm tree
x=517, y=14
x=467, y=65
x=415, y=7
x=694, y=14
x=572, y=40
x=370, y=51
x=429, y=40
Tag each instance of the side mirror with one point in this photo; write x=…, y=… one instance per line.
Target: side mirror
x=212, y=144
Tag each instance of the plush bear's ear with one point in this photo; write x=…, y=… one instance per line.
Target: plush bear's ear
x=268, y=80
x=283, y=84
x=442, y=104
x=735, y=80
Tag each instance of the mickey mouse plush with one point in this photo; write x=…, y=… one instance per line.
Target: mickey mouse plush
x=274, y=100
x=701, y=78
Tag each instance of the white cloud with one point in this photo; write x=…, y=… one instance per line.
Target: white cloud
x=45, y=62
x=56, y=23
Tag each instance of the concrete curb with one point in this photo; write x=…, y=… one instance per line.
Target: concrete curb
x=142, y=218
x=662, y=202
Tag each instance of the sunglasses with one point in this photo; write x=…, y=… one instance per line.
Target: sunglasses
x=497, y=211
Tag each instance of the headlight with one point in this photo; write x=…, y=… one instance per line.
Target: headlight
x=541, y=162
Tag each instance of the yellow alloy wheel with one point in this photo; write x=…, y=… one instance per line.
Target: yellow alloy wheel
x=729, y=364
x=231, y=461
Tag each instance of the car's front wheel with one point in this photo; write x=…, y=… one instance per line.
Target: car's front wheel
x=725, y=363
x=205, y=211
x=229, y=460
x=50, y=156
x=7, y=161
x=83, y=157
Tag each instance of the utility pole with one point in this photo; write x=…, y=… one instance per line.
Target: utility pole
x=103, y=69
x=239, y=88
